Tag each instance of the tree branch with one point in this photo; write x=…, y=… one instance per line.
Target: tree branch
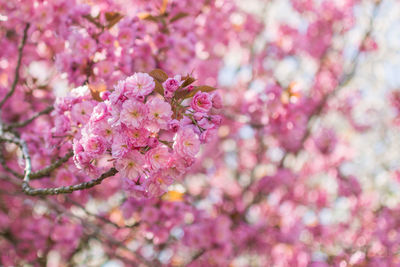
x=16, y=77
x=26, y=122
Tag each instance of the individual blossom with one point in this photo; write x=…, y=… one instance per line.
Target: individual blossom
x=216, y=100
x=208, y=135
x=173, y=125
x=150, y=214
x=106, y=39
x=87, y=46
x=62, y=125
x=126, y=36
x=65, y=177
x=187, y=142
x=131, y=165
x=81, y=158
x=81, y=112
x=201, y=102
x=158, y=157
x=119, y=146
x=159, y=114
x=138, y=137
x=99, y=112
x=133, y=113
x=139, y=84
x=152, y=142
x=104, y=68
x=93, y=144
x=172, y=84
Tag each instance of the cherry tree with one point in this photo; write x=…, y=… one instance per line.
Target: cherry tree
x=194, y=133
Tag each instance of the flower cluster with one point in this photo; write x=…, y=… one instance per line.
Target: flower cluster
x=149, y=128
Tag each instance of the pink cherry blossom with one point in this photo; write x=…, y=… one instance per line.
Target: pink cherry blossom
x=133, y=113
x=158, y=157
x=131, y=165
x=139, y=84
x=186, y=142
x=201, y=102
x=159, y=114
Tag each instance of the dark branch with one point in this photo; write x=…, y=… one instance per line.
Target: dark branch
x=26, y=122
x=16, y=77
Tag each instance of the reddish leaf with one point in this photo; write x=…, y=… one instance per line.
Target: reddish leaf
x=159, y=88
x=148, y=17
x=179, y=16
x=93, y=20
x=95, y=91
x=164, y=7
x=188, y=80
x=112, y=18
x=206, y=88
x=158, y=75
x=185, y=94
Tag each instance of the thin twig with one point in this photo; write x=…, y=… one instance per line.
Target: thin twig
x=66, y=189
x=26, y=122
x=47, y=170
x=16, y=77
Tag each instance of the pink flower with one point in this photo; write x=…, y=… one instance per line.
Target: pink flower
x=65, y=177
x=150, y=214
x=106, y=39
x=61, y=125
x=131, y=165
x=159, y=114
x=216, y=119
x=81, y=112
x=138, y=137
x=99, y=112
x=216, y=100
x=126, y=37
x=103, y=129
x=139, y=84
x=207, y=135
x=152, y=142
x=205, y=123
x=172, y=84
x=187, y=142
x=133, y=113
x=119, y=146
x=104, y=68
x=201, y=102
x=87, y=46
x=81, y=158
x=173, y=125
x=158, y=157
x=93, y=144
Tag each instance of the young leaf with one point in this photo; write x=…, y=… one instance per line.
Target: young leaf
x=164, y=7
x=149, y=17
x=159, y=75
x=188, y=80
x=178, y=16
x=159, y=88
x=112, y=18
x=95, y=90
x=206, y=88
x=93, y=20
